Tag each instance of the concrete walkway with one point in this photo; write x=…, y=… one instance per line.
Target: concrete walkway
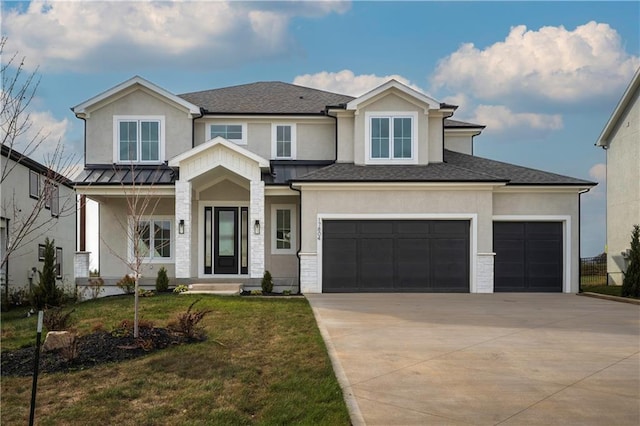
x=484, y=359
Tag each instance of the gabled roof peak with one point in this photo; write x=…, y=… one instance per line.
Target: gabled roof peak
x=82, y=108
x=395, y=84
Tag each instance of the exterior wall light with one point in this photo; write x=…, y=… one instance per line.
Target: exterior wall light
x=256, y=227
x=181, y=226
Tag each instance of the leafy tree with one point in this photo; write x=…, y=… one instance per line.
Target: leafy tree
x=631, y=282
x=47, y=293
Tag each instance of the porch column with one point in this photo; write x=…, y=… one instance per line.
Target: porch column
x=183, y=241
x=256, y=241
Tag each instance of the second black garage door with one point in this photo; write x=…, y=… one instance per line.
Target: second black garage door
x=395, y=255
x=528, y=256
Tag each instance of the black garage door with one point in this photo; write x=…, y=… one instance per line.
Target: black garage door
x=395, y=255
x=528, y=256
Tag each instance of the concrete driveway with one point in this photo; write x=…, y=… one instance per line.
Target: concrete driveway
x=484, y=359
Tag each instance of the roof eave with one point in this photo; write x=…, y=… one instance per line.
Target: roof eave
x=603, y=139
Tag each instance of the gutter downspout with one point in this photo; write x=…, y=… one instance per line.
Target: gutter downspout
x=193, y=128
x=299, y=249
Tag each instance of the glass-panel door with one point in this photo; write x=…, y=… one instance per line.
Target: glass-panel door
x=226, y=240
x=225, y=243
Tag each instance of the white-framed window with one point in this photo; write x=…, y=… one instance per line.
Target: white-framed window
x=54, y=197
x=283, y=141
x=58, y=262
x=391, y=137
x=236, y=133
x=34, y=184
x=138, y=139
x=154, y=237
x=283, y=229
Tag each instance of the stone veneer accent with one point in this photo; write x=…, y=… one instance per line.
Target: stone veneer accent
x=309, y=273
x=256, y=241
x=183, y=241
x=484, y=273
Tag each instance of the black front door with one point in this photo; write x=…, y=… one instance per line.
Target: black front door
x=225, y=244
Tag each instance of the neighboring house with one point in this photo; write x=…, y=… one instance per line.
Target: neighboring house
x=32, y=193
x=621, y=139
x=328, y=192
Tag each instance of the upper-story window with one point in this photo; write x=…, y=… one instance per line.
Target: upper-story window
x=34, y=184
x=139, y=139
x=283, y=138
x=391, y=137
x=236, y=133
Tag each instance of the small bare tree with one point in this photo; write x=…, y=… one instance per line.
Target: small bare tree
x=20, y=141
x=141, y=202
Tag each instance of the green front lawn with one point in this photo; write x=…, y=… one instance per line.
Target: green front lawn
x=611, y=290
x=263, y=363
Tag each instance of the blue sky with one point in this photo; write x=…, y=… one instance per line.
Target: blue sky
x=543, y=76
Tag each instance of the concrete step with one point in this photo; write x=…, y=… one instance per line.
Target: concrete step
x=222, y=289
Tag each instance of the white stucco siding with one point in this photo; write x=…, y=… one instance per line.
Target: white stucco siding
x=100, y=126
x=346, y=122
x=623, y=188
x=15, y=205
x=114, y=242
x=459, y=143
x=315, y=137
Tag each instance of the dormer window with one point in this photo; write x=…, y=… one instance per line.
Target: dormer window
x=391, y=137
x=139, y=139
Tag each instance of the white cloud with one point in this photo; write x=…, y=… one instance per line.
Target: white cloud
x=43, y=136
x=500, y=119
x=88, y=35
x=598, y=172
x=347, y=83
x=552, y=63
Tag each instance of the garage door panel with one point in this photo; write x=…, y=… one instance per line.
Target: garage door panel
x=529, y=256
x=397, y=255
x=375, y=264
x=413, y=227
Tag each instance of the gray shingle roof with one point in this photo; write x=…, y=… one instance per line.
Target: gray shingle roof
x=517, y=175
x=456, y=167
x=127, y=175
x=283, y=171
x=267, y=97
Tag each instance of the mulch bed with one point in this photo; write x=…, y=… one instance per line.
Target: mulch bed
x=93, y=349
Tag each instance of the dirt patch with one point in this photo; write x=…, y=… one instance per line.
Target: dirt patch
x=93, y=349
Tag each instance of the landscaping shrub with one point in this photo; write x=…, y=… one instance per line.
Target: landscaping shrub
x=267, y=282
x=56, y=320
x=180, y=288
x=631, y=281
x=187, y=322
x=127, y=284
x=47, y=293
x=162, y=281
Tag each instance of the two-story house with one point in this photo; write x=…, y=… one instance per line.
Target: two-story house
x=621, y=140
x=328, y=192
x=36, y=203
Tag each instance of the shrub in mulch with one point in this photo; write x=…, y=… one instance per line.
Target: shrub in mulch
x=94, y=349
